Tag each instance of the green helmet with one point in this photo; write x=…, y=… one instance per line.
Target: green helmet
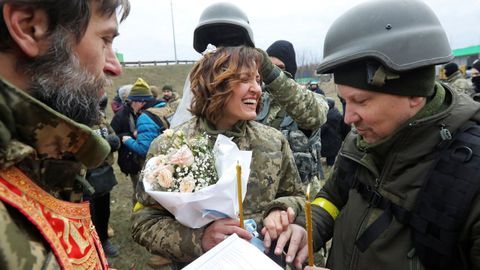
x=222, y=24
x=400, y=34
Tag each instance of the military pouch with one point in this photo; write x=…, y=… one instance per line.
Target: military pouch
x=102, y=179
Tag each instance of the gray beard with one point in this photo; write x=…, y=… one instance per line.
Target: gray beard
x=58, y=80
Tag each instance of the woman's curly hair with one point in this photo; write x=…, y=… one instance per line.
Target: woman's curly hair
x=214, y=76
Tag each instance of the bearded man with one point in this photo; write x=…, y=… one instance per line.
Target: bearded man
x=57, y=59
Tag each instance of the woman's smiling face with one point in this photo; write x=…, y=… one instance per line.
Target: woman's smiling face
x=243, y=102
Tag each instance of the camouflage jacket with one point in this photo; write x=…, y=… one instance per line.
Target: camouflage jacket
x=460, y=84
x=275, y=112
x=173, y=102
x=273, y=183
x=307, y=109
x=51, y=150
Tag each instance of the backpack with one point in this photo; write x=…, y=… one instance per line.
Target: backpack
x=159, y=115
x=442, y=205
x=306, y=149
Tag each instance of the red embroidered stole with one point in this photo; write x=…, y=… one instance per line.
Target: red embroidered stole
x=66, y=226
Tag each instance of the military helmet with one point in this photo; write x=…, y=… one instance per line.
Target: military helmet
x=400, y=34
x=222, y=24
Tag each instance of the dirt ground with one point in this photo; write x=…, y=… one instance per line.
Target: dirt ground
x=132, y=256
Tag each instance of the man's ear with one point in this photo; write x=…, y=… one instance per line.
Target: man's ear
x=415, y=102
x=27, y=26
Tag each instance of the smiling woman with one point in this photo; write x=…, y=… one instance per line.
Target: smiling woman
x=226, y=92
x=226, y=86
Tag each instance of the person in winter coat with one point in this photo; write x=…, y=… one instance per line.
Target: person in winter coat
x=148, y=125
x=456, y=80
x=476, y=75
x=331, y=133
x=124, y=125
x=305, y=141
x=102, y=179
x=388, y=204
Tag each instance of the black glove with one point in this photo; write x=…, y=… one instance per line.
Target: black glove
x=268, y=70
x=113, y=141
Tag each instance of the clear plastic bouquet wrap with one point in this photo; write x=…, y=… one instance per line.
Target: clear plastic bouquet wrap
x=195, y=183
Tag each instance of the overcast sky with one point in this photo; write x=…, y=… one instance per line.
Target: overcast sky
x=147, y=32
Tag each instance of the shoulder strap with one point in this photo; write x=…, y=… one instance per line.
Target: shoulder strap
x=131, y=123
x=442, y=204
x=159, y=115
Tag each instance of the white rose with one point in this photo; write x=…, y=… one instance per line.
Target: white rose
x=187, y=184
x=183, y=157
x=164, y=176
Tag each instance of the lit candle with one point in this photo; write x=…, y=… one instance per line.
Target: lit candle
x=308, y=215
x=239, y=193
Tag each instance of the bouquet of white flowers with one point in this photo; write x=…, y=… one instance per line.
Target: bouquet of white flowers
x=188, y=167
x=192, y=181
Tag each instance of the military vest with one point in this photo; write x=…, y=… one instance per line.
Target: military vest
x=306, y=149
x=66, y=226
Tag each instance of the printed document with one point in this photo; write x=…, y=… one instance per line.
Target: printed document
x=233, y=253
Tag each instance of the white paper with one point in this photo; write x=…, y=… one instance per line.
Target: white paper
x=188, y=208
x=233, y=253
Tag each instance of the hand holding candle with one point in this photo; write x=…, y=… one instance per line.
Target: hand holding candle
x=239, y=193
x=308, y=215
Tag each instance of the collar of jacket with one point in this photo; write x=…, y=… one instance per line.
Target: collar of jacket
x=29, y=128
x=237, y=131
x=379, y=150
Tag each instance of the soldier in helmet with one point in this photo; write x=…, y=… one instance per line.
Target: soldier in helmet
x=388, y=204
x=456, y=80
x=56, y=60
x=224, y=24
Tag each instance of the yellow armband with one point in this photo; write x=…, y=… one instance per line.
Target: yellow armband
x=137, y=207
x=327, y=206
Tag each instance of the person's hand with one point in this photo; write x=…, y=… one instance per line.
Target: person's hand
x=297, y=252
x=125, y=138
x=315, y=268
x=266, y=68
x=220, y=229
x=275, y=223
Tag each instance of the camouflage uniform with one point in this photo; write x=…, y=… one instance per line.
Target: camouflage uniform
x=460, y=84
x=52, y=151
x=283, y=100
x=273, y=183
x=307, y=109
x=173, y=101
